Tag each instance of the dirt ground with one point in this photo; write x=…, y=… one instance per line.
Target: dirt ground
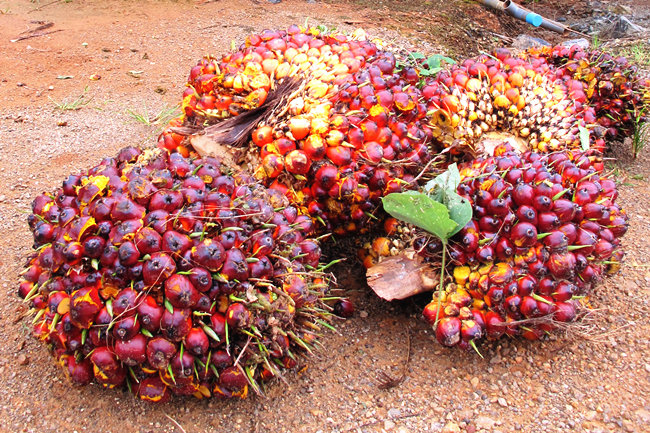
x=143, y=51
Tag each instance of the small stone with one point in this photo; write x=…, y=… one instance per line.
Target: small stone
x=389, y=425
x=363, y=314
x=643, y=414
x=2, y=198
x=451, y=427
x=484, y=423
x=474, y=382
x=502, y=402
x=394, y=413
x=591, y=415
x=23, y=359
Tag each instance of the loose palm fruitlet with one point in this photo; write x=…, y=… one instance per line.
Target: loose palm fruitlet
x=173, y=276
x=363, y=121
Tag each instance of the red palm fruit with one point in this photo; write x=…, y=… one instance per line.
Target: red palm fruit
x=150, y=313
x=93, y=247
x=158, y=268
x=528, y=307
x=196, y=341
x=498, y=207
x=182, y=366
x=133, y=351
x=512, y=305
x=201, y=279
x=547, y=221
x=590, y=274
x=263, y=244
x=43, y=233
x=218, y=325
x=594, y=211
x=177, y=324
x=489, y=224
x=107, y=368
x=221, y=359
x=527, y=214
x=315, y=147
x=126, y=209
x=494, y=296
x=84, y=306
x=147, y=241
x=98, y=332
x=263, y=268
x=556, y=241
x=339, y=155
x=233, y=379
x=273, y=165
x=153, y=389
x=470, y=330
x=238, y=315
x=126, y=328
x=180, y=292
x=469, y=242
x=542, y=203
x=159, y=220
x=297, y=162
x=209, y=254
x=523, y=195
x=562, y=265
x=526, y=285
x=591, y=226
x=564, y=312
x=262, y=135
x=494, y=325
x=235, y=266
x=586, y=240
x=564, y=291
x=523, y=234
x=569, y=231
x=73, y=253
x=485, y=254
x=565, y=210
x=80, y=372
x=167, y=200
x=311, y=251
x=124, y=230
x=448, y=331
x=603, y=249
x=504, y=249
x=344, y=308
x=159, y=351
x=125, y=302
x=128, y=254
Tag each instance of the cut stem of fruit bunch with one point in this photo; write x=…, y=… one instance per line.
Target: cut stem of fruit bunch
x=544, y=230
x=171, y=275
x=362, y=125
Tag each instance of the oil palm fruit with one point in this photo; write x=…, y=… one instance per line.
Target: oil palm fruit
x=217, y=291
x=512, y=273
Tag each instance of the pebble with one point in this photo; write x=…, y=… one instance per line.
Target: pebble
x=23, y=359
x=451, y=427
x=484, y=423
x=394, y=413
x=4, y=197
x=474, y=382
x=363, y=314
x=502, y=402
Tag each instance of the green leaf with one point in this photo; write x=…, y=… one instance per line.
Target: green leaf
x=422, y=211
x=584, y=137
x=444, y=183
x=416, y=56
x=460, y=210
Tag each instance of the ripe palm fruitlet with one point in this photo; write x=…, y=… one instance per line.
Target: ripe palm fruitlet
x=173, y=276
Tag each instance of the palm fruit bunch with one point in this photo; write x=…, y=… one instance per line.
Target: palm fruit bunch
x=172, y=275
x=611, y=85
x=352, y=132
x=544, y=230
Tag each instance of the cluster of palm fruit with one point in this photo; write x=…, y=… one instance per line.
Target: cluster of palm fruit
x=545, y=228
x=362, y=124
x=353, y=132
x=173, y=275
x=611, y=85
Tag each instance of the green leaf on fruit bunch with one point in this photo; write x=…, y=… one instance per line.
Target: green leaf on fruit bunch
x=584, y=137
x=460, y=210
x=444, y=183
x=422, y=211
